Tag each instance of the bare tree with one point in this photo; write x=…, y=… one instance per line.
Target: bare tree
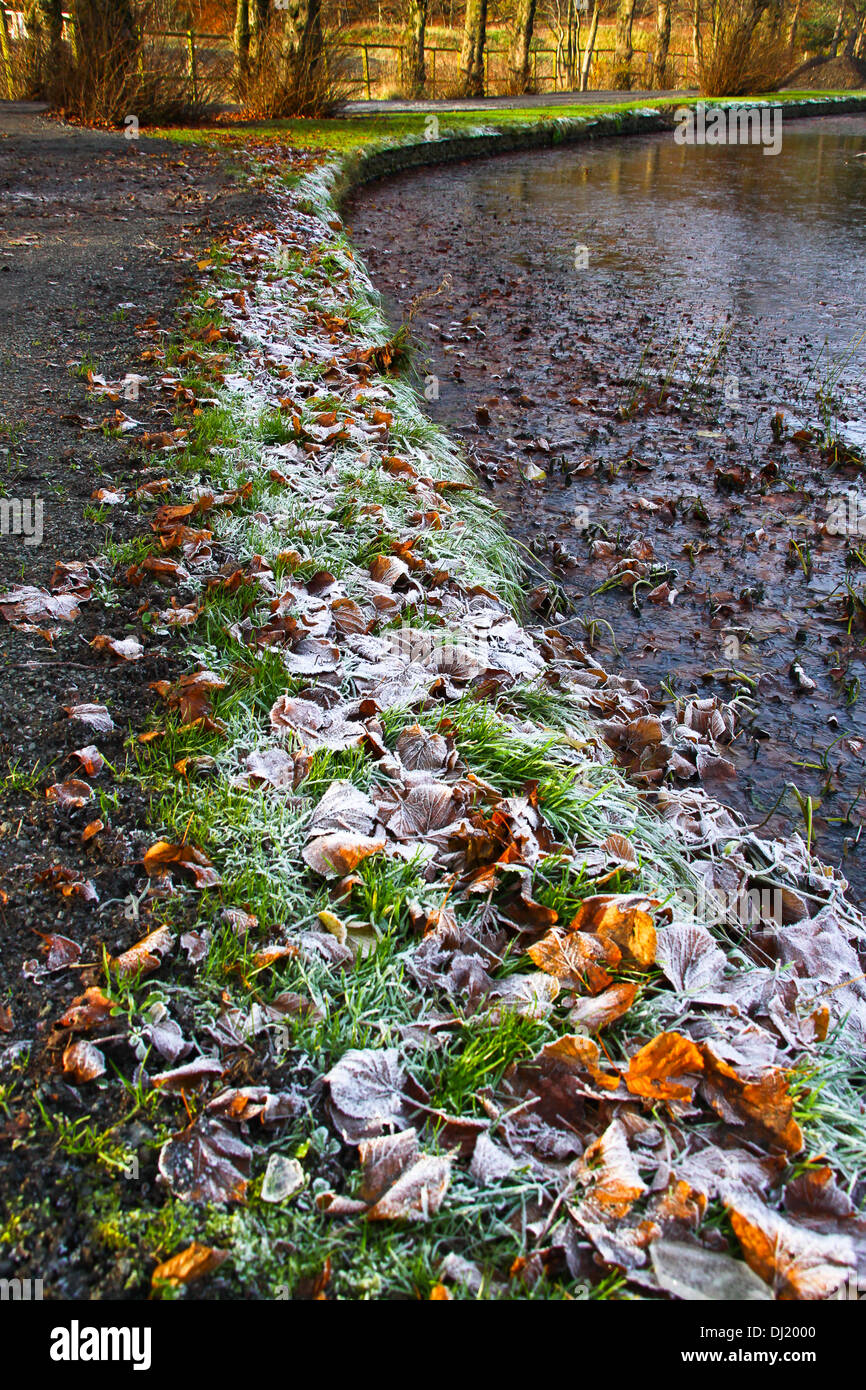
x=838, y=31
x=590, y=46
x=792, y=27
x=44, y=22
x=663, y=43
x=472, y=52
x=416, y=25
x=623, y=51
x=242, y=43
x=518, y=58
x=304, y=36
x=260, y=24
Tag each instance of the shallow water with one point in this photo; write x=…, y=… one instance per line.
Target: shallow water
x=582, y=281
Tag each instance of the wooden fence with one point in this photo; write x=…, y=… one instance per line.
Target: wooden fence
x=370, y=76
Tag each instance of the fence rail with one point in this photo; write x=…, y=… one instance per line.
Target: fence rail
x=370, y=76
x=559, y=74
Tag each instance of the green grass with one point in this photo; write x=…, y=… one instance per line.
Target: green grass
x=346, y=134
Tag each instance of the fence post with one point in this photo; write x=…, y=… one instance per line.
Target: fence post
x=486, y=72
x=4, y=44
x=193, y=72
x=433, y=72
x=366, y=69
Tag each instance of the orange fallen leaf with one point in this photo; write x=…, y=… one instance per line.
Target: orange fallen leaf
x=765, y=1107
x=145, y=956
x=87, y=1011
x=653, y=1071
x=622, y=919
x=192, y=1263
x=83, y=1061
x=195, y=862
x=595, y=1014
x=796, y=1263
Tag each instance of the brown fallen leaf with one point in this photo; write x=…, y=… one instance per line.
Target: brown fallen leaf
x=69, y=795
x=337, y=854
x=206, y=1163
x=68, y=882
x=399, y=1182
x=570, y=956
x=622, y=919
x=796, y=1263
x=90, y=759
x=665, y=1069
x=611, y=1004
x=188, y=1265
x=163, y=856
x=27, y=604
x=60, y=950
x=89, y=1010
x=83, y=1061
x=621, y=850
x=367, y=1086
x=125, y=648
x=610, y=1173
x=95, y=716
x=191, y=1076
x=145, y=956
x=577, y=1053
x=765, y=1108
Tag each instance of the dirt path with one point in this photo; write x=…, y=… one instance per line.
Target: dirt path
x=97, y=236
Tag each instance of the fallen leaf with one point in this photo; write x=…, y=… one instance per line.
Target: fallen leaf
x=195, y=862
x=796, y=1263
x=335, y=855
x=82, y=1062
x=655, y=1071
x=145, y=956
x=125, y=649
x=188, y=1265
x=367, y=1086
x=206, y=1163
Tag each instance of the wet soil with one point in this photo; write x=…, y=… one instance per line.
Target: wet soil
x=98, y=239
x=644, y=345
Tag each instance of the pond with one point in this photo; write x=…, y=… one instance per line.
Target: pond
x=654, y=352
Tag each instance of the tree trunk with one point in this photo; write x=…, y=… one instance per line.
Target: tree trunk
x=304, y=36
x=241, y=39
x=44, y=22
x=106, y=31
x=518, y=58
x=260, y=23
x=472, y=53
x=590, y=47
x=623, y=52
x=853, y=39
x=416, y=25
x=792, y=28
x=837, y=33
x=663, y=41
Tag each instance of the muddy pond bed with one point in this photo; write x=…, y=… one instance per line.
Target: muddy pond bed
x=654, y=353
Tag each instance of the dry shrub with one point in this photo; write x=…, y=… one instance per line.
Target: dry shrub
x=286, y=83
x=108, y=67
x=740, y=58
